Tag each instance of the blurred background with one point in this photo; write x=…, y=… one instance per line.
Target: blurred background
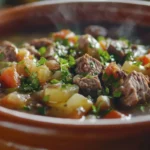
x=10, y=3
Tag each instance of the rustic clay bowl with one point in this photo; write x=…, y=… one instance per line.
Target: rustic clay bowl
x=21, y=131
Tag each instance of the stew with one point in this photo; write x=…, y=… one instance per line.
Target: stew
x=70, y=76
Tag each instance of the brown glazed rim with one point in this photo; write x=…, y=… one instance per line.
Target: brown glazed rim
x=13, y=116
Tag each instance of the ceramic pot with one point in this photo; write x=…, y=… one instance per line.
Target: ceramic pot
x=21, y=131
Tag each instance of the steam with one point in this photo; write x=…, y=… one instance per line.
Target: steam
x=68, y=14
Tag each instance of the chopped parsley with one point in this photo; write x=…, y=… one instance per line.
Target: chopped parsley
x=54, y=81
x=27, y=70
x=104, y=56
x=26, y=108
x=129, y=55
x=2, y=56
x=72, y=61
x=101, y=38
x=117, y=94
x=65, y=73
x=94, y=109
x=110, y=80
x=64, y=42
x=66, y=76
x=42, y=61
x=42, y=51
x=142, y=108
x=106, y=91
x=137, y=63
x=46, y=98
x=72, y=52
x=30, y=84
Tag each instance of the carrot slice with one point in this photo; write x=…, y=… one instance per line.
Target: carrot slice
x=112, y=69
x=61, y=34
x=145, y=59
x=10, y=78
x=114, y=114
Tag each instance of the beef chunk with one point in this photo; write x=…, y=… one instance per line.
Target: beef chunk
x=32, y=49
x=50, y=52
x=52, y=64
x=88, y=65
x=36, y=44
x=89, y=85
x=9, y=51
x=135, y=89
x=43, y=42
x=88, y=44
x=96, y=31
x=117, y=48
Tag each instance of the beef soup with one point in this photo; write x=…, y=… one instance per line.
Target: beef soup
x=70, y=76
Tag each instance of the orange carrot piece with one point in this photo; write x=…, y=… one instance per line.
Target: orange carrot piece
x=145, y=59
x=112, y=69
x=61, y=34
x=113, y=114
x=10, y=78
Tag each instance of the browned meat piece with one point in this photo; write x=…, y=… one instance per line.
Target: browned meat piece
x=88, y=65
x=135, y=89
x=96, y=30
x=89, y=45
x=8, y=51
x=117, y=48
x=52, y=64
x=37, y=43
x=55, y=48
x=32, y=50
x=50, y=52
x=89, y=85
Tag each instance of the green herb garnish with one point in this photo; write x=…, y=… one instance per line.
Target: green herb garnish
x=27, y=70
x=129, y=55
x=42, y=51
x=94, y=109
x=72, y=61
x=26, y=108
x=117, y=94
x=2, y=56
x=46, y=98
x=65, y=74
x=106, y=91
x=137, y=63
x=101, y=38
x=104, y=56
x=30, y=84
x=42, y=61
x=142, y=108
x=64, y=42
x=54, y=81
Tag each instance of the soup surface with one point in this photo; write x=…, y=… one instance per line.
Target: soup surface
x=70, y=76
